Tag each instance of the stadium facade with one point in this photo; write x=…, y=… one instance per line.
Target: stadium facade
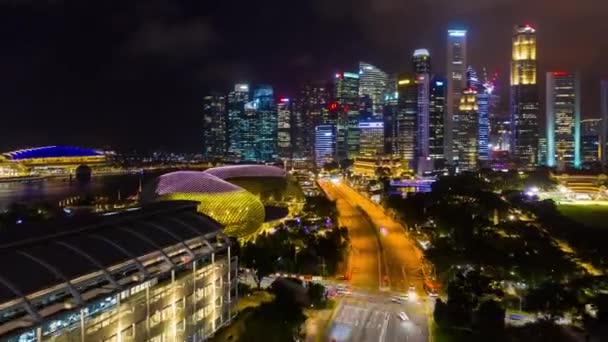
x=161, y=272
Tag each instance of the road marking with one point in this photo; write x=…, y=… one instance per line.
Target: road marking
x=383, y=331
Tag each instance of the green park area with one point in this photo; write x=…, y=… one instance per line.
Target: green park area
x=592, y=215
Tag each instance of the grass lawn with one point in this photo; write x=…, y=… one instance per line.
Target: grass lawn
x=593, y=215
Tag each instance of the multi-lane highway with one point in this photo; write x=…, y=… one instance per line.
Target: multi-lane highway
x=368, y=316
x=383, y=261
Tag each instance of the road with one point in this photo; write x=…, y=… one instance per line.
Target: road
x=365, y=262
x=371, y=317
x=384, y=261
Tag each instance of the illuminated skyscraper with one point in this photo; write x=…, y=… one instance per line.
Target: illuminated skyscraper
x=421, y=61
x=236, y=112
x=524, y=97
x=456, y=79
x=214, y=127
x=604, y=132
x=266, y=142
x=467, y=128
x=436, y=121
x=372, y=138
x=311, y=109
x=346, y=93
x=405, y=127
x=563, y=120
x=590, y=140
x=373, y=84
x=284, y=128
x=484, y=104
x=325, y=144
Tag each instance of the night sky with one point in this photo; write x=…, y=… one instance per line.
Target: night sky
x=132, y=74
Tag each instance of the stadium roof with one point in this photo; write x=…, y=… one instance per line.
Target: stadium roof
x=51, y=152
x=192, y=182
x=244, y=171
x=38, y=257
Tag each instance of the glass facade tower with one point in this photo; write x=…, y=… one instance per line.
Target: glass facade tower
x=456, y=83
x=524, y=97
x=563, y=120
x=373, y=84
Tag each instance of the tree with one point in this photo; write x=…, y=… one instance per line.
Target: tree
x=551, y=298
x=316, y=294
x=257, y=258
x=491, y=318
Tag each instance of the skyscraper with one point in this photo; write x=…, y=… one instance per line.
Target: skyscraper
x=325, y=144
x=266, y=142
x=456, y=79
x=405, y=127
x=236, y=112
x=563, y=120
x=214, y=127
x=604, y=132
x=347, y=95
x=311, y=109
x=284, y=128
x=421, y=61
x=485, y=97
x=373, y=84
x=524, y=97
x=467, y=128
x=590, y=140
x=372, y=138
x=436, y=121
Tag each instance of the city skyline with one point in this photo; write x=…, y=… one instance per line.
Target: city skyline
x=156, y=65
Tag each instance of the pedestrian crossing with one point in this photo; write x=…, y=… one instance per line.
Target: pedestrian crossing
x=361, y=318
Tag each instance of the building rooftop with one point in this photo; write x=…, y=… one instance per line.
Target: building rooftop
x=51, y=152
x=37, y=257
x=244, y=171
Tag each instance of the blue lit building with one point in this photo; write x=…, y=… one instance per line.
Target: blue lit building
x=437, y=121
x=236, y=113
x=484, y=99
x=266, y=143
x=325, y=144
x=563, y=120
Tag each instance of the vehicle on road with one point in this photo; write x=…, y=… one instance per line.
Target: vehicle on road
x=403, y=316
x=399, y=299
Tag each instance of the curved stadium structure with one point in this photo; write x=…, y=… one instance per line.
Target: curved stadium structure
x=55, y=155
x=246, y=171
x=241, y=212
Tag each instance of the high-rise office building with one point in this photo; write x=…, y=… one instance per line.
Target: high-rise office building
x=436, y=121
x=311, y=109
x=236, y=112
x=285, y=144
x=456, y=83
x=214, y=127
x=472, y=79
x=346, y=93
x=484, y=104
x=524, y=97
x=421, y=61
x=467, y=131
x=248, y=133
x=373, y=84
x=405, y=120
x=590, y=140
x=391, y=105
x=325, y=144
x=372, y=138
x=563, y=120
x=604, y=113
x=266, y=143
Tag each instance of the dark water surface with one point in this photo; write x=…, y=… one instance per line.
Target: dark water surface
x=57, y=189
